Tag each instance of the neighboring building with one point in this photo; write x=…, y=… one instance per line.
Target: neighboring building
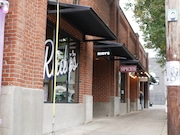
x=157, y=90
x=101, y=65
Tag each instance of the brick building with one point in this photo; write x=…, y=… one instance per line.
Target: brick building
x=101, y=65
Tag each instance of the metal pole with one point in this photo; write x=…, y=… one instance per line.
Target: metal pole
x=4, y=7
x=3, y=11
x=55, y=70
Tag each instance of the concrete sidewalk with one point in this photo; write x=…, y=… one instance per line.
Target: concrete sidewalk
x=152, y=121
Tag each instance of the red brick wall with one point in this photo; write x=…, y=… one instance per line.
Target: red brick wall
x=123, y=31
x=103, y=78
x=86, y=69
x=103, y=85
x=127, y=86
x=126, y=35
x=25, y=30
x=102, y=8
x=86, y=57
x=132, y=43
x=103, y=74
x=66, y=26
x=110, y=12
x=116, y=89
x=66, y=1
x=133, y=88
x=143, y=57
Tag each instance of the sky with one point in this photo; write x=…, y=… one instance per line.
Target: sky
x=129, y=15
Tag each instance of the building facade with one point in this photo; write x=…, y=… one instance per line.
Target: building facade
x=157, y=90
x=58, y=76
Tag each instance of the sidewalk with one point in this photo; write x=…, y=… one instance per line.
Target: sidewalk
x=152, y=121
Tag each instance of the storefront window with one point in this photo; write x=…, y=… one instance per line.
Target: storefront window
x=67, y=68
x=122, y=87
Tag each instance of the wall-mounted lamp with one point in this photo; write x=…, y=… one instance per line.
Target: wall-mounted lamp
x=147, y=74
x=132, y=75
x=4, y=6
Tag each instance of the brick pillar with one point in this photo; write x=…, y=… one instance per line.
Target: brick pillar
x=133, y=93
x=21, y=101
x=86, y=70
x=127, y=91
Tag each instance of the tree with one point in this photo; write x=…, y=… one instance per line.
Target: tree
x=150, y=15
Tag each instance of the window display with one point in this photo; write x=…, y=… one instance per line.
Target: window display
x=67, y=68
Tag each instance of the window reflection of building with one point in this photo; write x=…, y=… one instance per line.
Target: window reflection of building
x=67, y=79
x=122, y=87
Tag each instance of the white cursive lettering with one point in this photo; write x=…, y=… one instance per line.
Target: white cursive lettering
x=62, y=64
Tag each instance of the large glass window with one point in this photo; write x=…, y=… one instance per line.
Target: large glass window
x=67, y=75
x=122, y=87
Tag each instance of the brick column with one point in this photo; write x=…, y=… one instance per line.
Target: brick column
x=127, y=91
x=21, y=101
x=133, y=93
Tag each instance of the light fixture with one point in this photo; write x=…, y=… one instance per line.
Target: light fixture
x=132, y=75
x=175, y=55
x=147, y=74
x=4, y=6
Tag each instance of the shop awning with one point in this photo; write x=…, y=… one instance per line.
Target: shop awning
x=140, y=66
x=123, y=54
x=120, y=51
x=151, y=79
x=85, y=19
x=116, y=49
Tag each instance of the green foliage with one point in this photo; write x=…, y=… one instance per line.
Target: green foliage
x=150, y=15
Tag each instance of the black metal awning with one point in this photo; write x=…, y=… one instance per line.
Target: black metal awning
x=120, y=51
x=116, y=49
x=85, y=19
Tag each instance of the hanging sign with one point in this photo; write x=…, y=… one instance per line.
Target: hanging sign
x=103, y=53
x=128, y=68
x=172, y=72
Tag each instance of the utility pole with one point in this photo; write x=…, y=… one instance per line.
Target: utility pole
x=173, y=65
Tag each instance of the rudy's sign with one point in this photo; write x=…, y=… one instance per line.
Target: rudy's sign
x=63, y=64
x=105, y=53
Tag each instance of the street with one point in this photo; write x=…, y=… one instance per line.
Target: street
x=152, y=121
